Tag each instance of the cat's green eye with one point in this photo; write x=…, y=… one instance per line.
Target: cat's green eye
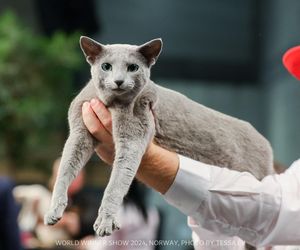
x=106, y=66
x=132, y=67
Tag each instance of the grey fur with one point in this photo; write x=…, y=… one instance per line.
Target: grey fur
x=181, y=125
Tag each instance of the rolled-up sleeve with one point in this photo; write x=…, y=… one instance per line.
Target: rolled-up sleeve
x=235, y=203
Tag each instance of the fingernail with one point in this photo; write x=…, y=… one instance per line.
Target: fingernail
x=85, y=105
x=93, y=101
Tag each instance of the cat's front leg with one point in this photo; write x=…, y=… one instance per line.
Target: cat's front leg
x=77, y=151
x=123, y=171
x=131, y=137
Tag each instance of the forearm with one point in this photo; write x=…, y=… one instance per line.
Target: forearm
x=158, y=168
x=234, y=203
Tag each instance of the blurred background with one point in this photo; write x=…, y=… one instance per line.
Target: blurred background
x=223, y=54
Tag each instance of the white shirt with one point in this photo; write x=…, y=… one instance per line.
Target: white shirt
x=235, y=205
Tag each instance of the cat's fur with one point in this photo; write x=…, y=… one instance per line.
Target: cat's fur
x=181, y=125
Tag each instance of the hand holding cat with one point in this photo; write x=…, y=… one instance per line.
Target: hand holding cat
x=97, y=119
x=159, y=166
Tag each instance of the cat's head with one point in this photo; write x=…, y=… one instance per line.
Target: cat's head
x=120, y=70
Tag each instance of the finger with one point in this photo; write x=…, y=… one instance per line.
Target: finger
x=106, y=154
x=93, y=124
x=102, y=113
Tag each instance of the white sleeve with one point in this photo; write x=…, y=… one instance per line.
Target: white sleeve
x=235, y=203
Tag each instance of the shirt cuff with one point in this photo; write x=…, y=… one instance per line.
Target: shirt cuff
x=183, y=193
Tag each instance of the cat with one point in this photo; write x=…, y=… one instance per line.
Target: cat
x=120, y=78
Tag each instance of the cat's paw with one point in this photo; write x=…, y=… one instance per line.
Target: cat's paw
x=51, y=218
x=54, y=215
x=105, y=224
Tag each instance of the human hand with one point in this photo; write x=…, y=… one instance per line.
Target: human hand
x=158, y=167
x=97, y=119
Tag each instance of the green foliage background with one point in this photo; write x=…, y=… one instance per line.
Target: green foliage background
x=36, y=75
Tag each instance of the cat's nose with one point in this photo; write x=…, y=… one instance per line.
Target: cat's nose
x=119, y=82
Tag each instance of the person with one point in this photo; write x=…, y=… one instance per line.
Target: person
x=34, y=201
x=217, y=200
x=9, y=231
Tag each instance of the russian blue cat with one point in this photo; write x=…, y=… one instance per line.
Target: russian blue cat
x=120, y=78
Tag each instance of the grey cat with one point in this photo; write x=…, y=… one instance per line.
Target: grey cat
x=121, y=80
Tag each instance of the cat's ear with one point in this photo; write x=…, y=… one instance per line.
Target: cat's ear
x=91, y=49
x=151, y=50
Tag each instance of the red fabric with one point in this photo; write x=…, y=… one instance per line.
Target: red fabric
x=291, y=60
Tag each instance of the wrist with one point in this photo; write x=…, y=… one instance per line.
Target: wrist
x=152, y=151
x=158, y=168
